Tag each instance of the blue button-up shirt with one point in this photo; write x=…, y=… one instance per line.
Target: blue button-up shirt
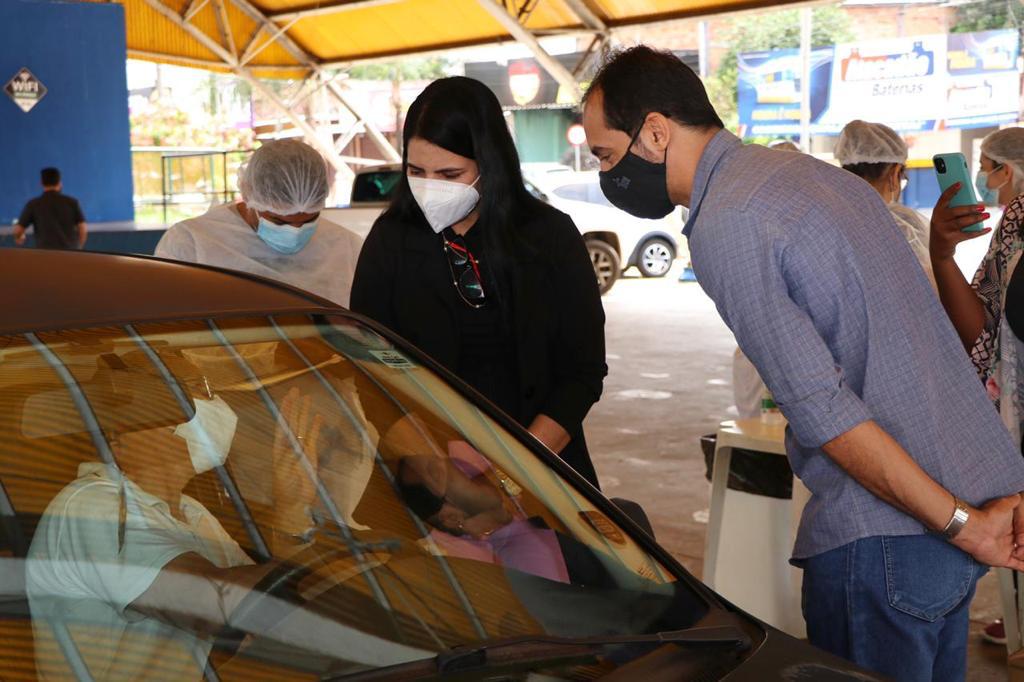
x=824, y=295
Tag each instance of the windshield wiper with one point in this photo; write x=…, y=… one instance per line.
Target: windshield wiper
x=535, y=648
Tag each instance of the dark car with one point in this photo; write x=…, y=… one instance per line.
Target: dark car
x=204, y=474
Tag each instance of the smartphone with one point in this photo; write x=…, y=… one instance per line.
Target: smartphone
x=951, y=169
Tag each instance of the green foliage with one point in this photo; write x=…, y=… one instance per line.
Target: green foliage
x=769, y=31
x=987, y=15
x=164, y=125
x=402, y=70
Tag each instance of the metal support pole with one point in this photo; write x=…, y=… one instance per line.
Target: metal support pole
x=702, y=48
x=806, y=26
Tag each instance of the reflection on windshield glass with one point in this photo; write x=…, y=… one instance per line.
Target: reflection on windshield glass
x=284, y=497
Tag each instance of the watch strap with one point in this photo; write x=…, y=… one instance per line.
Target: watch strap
x=957, y=521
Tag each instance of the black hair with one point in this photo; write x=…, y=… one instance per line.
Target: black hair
x=463, y=116
x=50, y=177
x=418, y=497
x=639, y=80
x=869, y=171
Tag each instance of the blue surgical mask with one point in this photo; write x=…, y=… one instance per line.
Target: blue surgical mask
x=285, y=238
x=989, y=197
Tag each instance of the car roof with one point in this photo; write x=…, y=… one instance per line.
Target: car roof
x=553, y=180
x=49, y=289
x=380, y=168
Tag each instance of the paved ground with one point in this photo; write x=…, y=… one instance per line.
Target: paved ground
x=669, y=382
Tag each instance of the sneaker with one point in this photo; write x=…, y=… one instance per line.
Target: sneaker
x=994, y=632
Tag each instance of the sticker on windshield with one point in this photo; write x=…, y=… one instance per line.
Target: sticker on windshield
x=603, y=525
x=393, y=359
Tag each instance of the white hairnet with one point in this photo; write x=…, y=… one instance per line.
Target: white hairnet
x=285, y=177
x=1007, y=146
x=864, y=142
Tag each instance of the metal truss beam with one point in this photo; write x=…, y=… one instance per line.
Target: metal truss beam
x=204, y=63
x=511, y=24
x=252, y=49
x=231, y=61
x=193, y=8
x=596, y=48
x=586, y=15
x=322, y=8
x=309, y=61
x=224, y=27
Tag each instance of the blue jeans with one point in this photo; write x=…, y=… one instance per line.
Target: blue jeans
x=894, y=605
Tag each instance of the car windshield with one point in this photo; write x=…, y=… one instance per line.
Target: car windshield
x=288, y=497
x=589, y=192
x=374, y=186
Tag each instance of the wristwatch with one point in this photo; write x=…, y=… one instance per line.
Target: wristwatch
x=957, y=521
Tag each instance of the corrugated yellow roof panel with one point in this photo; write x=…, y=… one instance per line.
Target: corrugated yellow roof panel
x=414, y=25
x=625, y=12
x=379, y=28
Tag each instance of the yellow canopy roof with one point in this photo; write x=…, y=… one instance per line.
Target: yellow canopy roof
x=337, y=31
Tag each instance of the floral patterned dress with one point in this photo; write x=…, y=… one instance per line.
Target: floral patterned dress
x=997, y=351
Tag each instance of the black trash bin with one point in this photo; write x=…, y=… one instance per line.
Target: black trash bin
x=753, y=472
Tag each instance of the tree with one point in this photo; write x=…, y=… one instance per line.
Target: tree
x=769, y=31
x=396, y=72
x=403, y=70
x=987, y=15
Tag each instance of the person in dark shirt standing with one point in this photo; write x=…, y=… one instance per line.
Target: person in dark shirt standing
x=57, y=218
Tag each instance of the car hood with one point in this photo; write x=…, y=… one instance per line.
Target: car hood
x=781, y=657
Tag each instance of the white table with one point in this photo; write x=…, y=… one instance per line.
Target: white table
x=750, y=537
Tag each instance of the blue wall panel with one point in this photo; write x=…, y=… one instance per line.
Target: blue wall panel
x=77, y=50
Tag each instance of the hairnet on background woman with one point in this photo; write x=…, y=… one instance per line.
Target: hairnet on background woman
x=275, y=230
x=878, y=154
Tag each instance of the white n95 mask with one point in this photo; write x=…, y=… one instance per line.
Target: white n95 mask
x=444, y=202
x=209, y=434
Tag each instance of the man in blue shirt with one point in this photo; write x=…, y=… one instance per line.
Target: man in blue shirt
x=914, y=480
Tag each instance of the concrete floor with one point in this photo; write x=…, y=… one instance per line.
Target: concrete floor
x=669, y=382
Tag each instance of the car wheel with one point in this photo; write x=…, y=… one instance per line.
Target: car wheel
x=606, y=263
x=655, y=259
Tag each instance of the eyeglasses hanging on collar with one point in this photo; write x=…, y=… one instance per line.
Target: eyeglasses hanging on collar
x=465, y=270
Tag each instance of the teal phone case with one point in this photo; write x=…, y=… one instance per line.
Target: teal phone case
x=957, y=171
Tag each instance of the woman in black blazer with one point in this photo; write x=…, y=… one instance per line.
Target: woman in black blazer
x=491, y=282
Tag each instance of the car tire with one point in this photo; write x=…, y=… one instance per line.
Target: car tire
x=655, y=257
x=606, y=263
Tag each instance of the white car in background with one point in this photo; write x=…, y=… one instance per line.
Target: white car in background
x=616, y=240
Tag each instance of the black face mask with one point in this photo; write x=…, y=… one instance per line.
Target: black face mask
x=637, y=186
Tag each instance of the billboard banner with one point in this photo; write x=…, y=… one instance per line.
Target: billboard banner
x=984, y=85
x=770, y=90
x=915, y=84
x=899, y=82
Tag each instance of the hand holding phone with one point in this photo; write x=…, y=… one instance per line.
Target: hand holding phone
x=951, y=169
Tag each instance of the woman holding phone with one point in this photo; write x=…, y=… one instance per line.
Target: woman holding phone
x=988, y=313
x=493, y=283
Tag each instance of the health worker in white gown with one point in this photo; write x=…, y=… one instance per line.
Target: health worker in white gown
x=878, y=154
x=275, y=231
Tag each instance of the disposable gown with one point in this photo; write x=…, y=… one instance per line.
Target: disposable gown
x=916, y=230
x=222, y=238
